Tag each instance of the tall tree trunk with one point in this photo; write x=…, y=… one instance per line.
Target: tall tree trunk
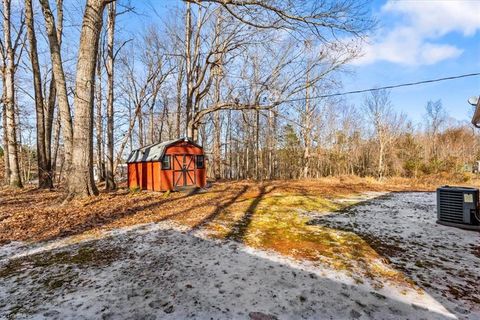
x=217, y=154
x=270, y=137
x=179, y=100
x=141, y=141
x=6, y=157
x=60, y=82
x=99, y=120
x=49, y=116
x=163, y=120
x=44, y=169
x=189, y=73
x=151, y=129
x=273, y=164
x=381, y=155
x=80, y=177
x=257, y=144
x=229, y=144
x=56, y=144
x=15, y=178
x=50, y=103
x=306, y=130
x=110, y=176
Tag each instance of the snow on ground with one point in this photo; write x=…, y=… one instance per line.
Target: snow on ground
x=161, y=271
x=444, y=261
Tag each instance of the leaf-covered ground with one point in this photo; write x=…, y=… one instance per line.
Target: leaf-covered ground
x=279, y=217
x=270, y=216
x=33, y=215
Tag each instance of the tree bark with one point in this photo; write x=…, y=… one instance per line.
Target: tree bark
x=230, y=144
x=141, y=134
x=80, y=177
x=381, y=155
x=189, y=72
x=179, y=101
x=60, y=82
x=307, y=130
x=257, y=145
x=56, y=145
x=109, y=174
x=6, y=157
x=217, y=146
x=217, y=154
x=99, y=121
x=43, y=167
x=9, y=100
x=50, y=102
x=151, y=120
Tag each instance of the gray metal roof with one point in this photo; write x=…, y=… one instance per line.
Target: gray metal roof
x=154, y=152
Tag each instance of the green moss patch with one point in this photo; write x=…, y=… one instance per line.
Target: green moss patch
x=83, y=257
x=279, y=222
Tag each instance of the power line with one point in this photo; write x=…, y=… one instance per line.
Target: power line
x=409, y=84
x=368, y=90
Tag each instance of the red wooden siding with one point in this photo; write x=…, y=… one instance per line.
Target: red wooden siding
x=150, y=176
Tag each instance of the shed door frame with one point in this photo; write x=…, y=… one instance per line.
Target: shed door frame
x=183, y=166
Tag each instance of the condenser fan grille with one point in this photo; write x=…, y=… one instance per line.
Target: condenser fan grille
x=451, y=206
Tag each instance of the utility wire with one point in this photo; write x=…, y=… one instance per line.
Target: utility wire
x=367, y=90
x=385, y=87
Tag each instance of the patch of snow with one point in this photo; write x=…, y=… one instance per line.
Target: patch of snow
x=167, y=273
x=444, y=261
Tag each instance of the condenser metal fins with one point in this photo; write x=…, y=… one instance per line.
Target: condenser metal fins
x=458, y=207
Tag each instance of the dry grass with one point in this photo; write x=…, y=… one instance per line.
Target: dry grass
x=269, y=215
x=32, y=215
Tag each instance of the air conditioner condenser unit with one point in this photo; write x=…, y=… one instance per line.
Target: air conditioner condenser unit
x=458, y=207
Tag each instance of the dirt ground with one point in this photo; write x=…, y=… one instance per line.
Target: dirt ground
x=33, y=215
x=278, y=218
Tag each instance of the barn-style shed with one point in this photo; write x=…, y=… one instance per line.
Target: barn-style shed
x=169, y=165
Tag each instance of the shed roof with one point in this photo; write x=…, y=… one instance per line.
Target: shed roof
x=154, y=152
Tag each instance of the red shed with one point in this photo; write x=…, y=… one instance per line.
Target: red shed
x=168, y=165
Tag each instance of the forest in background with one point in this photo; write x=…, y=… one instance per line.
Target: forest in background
x=250, y=83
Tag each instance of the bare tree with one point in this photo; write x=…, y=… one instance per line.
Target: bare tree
x=58, y=79
x=110, y=177
x=435, y=118
x=142, y=79
x=6, y=156
x=99, y=120
x=78, y=138
x=9, y=49
x=50, y=102
x=345, y=16
x=385, y=121
x=80, y=178
x=43, y=164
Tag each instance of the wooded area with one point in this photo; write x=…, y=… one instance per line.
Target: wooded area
x=248, y=80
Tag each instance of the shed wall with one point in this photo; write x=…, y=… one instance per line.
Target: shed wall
x=149, y=176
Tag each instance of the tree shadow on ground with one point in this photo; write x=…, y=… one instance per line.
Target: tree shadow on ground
x=48, y=221
x=180, y=276
x=426, y=257
x=239, y=229
x=219, y=209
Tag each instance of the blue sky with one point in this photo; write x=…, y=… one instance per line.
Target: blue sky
x=414, y=40
x=419, y=40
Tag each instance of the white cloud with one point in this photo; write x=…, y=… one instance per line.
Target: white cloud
x=411, y=40
x=437, y=18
